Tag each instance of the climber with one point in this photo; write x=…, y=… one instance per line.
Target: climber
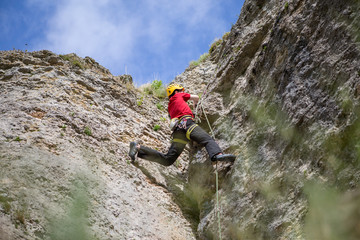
x=184, y=129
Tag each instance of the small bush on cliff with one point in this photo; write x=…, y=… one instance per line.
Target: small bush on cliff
x=156, y=84
x=77, y=64
x=286, y=7
x=4, y=201
x=73, y=59
x=65, y=57
x=21, y=215
x=226, y=36
x=140, y=101
x=159, y=106
x=157, y=127
x=156, y=88
x=87, y=131
x=146, y=89
x=17, y=139
x=214, y=45
x=201, y=59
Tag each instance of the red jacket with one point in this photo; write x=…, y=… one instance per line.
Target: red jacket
x=178, y=107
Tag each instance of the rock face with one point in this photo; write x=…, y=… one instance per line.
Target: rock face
x=280, y=90
x=65, y=128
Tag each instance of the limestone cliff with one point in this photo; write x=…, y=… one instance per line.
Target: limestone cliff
x=65, y=128
x=281, y=90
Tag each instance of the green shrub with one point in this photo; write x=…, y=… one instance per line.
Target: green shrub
x=159, y=106
x=286, y=6
x=214, y=45
x=140, y=101
x=156, y=88
x=74, y=60
x=65, y=57
x=156, y=84
x=226, y=36
x=160, y=93
x=77, y=64
x=194, y=63
x=159, y=89
x=21, y=215
x=146, y=89
x=201, y=59
x=18, y=139
x=87, y=131
x=4, y=201
x=157, y=127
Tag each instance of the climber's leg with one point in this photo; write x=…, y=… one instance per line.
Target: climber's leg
x=164, y=159
x=203, y=138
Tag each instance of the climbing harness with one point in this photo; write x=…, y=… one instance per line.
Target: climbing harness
x=181, y=123
x=178, y=140
x=189, y=131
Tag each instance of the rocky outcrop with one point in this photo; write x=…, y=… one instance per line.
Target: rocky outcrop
x=280, y=90
x=282, y=93
x=65, y=128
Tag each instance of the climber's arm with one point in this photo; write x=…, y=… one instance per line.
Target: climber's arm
x=195, y=99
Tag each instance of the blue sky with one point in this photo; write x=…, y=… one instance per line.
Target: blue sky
x=149, y=39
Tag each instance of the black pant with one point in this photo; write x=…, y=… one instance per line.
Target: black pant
x=179, y=142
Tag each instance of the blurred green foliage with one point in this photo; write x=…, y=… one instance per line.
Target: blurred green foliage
x=286, y=165
x=332, y=214
x=74, y=224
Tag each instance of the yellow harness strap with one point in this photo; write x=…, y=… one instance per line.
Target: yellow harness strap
x=188, y=132
x=177, y=140
x=185, y=116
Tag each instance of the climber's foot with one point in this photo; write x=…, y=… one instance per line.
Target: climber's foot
x=224, y=158
x=133, y=150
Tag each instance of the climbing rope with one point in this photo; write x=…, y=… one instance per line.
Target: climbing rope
x=217, y=200
x=216, y=172
x=216, y=168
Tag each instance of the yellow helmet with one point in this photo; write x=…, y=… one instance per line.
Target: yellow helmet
x=172, y=87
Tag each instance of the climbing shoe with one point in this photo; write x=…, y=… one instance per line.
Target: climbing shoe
x=133, y=150
x=224, y=158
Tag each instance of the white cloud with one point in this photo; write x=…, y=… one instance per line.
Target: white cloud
x=84, y=28
x=118, y=33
